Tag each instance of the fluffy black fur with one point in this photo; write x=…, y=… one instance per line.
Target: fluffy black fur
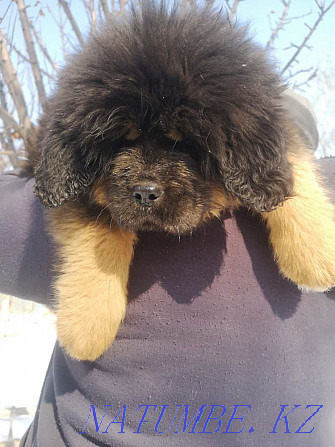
x=181, y=98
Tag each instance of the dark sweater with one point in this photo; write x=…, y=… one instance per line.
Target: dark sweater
x=210, y=322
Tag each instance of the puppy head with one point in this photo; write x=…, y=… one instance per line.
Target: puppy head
x=161, y=111
x=151, y=187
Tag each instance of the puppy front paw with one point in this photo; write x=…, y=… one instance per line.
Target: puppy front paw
x=316, y=274
x=87, y=335
x=306, y=256
x=91, y=306
x=302, y=230
x=315, y=270
x=91, y=289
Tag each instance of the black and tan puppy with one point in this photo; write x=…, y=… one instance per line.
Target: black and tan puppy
x=162, y=121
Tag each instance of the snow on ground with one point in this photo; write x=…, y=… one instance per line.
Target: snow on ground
x=27, y=338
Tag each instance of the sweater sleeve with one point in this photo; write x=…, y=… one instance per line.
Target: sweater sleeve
x=26, y=250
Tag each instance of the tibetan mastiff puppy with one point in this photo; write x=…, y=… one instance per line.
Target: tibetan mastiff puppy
x=164, y=119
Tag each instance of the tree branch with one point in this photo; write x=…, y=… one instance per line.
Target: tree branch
x=25, y=58
x=233, y=9
x=104, y=6
x=74, y=25
x=93, y=16
x=122, y=4
x=280, y=23
x=31, y=51
x=10, y=145
x=310, y=77
x=322, y=13
x=10, y=122
x=307, y=70
x=43, y=49
x=13, y=84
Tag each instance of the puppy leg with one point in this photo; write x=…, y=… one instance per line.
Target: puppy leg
x=91, y=289
x=302, y=230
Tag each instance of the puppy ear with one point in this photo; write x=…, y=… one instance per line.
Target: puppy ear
x=261, y=185
x=60, y=174
x=256, y=169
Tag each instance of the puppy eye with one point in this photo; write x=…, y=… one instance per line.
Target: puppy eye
x=183, y=147
x=174, y=135
x=132, y=132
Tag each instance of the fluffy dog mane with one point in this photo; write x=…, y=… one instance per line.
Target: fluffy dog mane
x=191, y=75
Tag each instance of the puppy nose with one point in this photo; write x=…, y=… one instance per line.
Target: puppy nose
x=146, y=194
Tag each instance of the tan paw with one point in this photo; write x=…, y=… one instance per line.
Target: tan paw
x=307, y=258
x=302, y=235
x=314, y=270
x=86, y=337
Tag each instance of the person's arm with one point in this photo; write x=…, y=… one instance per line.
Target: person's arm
x=26, y=251
x=25, y=248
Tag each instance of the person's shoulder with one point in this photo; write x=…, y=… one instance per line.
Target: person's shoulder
x=327, y=168
x=301, y=112
x=9, y=176
x=327, y=163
